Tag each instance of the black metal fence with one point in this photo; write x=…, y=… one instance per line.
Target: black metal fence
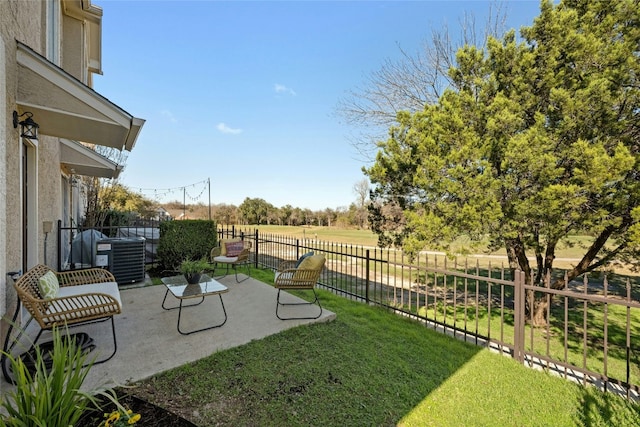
x=591, y=329
x=77, y=245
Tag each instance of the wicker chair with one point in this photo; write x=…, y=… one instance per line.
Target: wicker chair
x=240, y=257
x=84, y=296
x=303, y=277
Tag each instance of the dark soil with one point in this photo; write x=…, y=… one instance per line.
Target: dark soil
x=151, y=415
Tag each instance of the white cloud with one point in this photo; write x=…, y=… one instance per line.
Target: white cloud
x=283, y=89
x=169, y=115
x=226, y=129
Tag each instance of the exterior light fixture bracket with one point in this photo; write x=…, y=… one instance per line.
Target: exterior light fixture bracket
x=29, y=128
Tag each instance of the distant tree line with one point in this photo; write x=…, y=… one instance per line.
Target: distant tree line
x=257, y=211
x=118, y=201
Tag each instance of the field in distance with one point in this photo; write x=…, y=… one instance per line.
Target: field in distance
x=567, y=254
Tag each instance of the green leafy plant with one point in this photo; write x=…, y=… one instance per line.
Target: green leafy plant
x=189, y=266
x=193, y=269
x=49, y=396
x=49, y=393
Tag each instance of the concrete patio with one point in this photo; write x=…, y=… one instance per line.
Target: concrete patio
x=148, y=339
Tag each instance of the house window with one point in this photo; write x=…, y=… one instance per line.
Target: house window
x=53, y=31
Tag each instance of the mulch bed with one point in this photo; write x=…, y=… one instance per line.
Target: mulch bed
x=151, y=415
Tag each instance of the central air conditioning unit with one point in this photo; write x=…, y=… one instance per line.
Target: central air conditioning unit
x=124, y=258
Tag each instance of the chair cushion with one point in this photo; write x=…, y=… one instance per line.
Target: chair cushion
x=308, y=254
x=223, y=245
x=109, y=288
x=227, y=259
x=233, y=249
x=48, y=285
x=313, y=262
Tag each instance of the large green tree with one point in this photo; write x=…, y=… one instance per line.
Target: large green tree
x=254, y=211
x=536, y=139
x=225, y=214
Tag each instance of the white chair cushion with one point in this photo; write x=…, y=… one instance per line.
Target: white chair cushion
x=109, y=288
x=228, y=259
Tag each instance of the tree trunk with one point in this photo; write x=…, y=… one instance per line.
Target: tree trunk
x=516, y=251
x=538, y=315
x=535, y=307
x=584, y=264
x=513, y=260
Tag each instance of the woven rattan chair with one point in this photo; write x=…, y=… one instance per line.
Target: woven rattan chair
x=82, y=298
x=303, y=277
x=219, y=255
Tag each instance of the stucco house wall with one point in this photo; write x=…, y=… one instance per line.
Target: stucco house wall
x=3, y=177
x=18, y=20
x=48, y=52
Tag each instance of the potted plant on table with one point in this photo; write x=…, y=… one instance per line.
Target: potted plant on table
x=192, y=269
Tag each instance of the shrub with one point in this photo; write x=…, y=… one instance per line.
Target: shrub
x=189, y=239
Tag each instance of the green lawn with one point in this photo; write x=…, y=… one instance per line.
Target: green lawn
x=371, y=367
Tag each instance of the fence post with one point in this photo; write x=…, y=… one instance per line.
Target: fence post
x=518, y=316
x=366, y=283
x=255, y=253
x=59, y=245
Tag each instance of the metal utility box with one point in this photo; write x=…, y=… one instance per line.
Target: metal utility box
x=124, y=258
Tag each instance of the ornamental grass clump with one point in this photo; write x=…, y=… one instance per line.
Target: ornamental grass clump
x=48, y=395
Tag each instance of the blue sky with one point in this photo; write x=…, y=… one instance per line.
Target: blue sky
x=245, y=94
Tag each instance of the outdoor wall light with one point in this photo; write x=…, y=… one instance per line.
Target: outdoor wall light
x=28, y=126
